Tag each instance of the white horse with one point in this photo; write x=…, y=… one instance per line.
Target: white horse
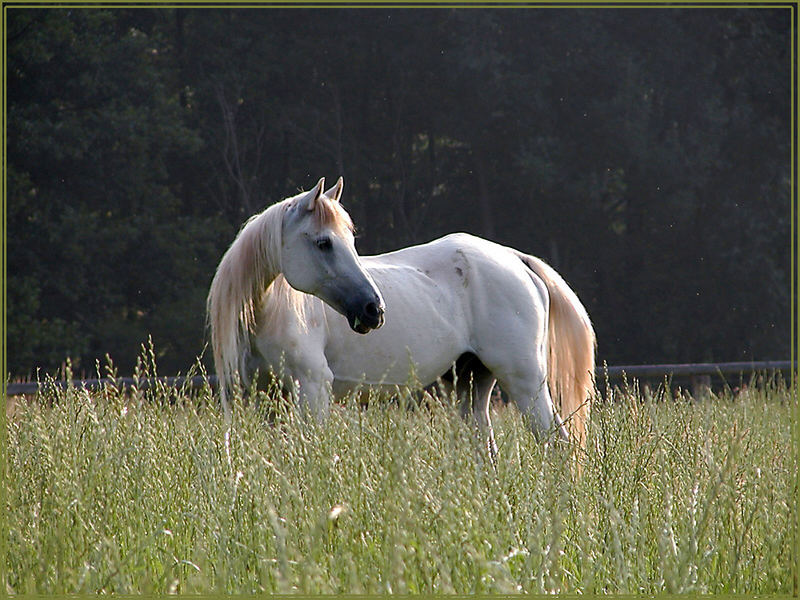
x=498, y=315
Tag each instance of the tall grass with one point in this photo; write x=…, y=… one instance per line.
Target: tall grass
x=143, y=492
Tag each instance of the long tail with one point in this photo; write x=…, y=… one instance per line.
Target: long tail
x=571, y=343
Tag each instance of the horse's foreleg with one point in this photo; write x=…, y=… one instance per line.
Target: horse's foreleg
x=312, y=389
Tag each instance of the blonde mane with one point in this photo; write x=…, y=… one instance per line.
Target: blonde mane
x=249, y=293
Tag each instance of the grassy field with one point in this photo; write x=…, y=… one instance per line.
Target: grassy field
x=147, y=492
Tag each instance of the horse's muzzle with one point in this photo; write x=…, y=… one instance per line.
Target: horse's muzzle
x=369, y=317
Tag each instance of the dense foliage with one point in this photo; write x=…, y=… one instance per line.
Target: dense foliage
x=644, y=153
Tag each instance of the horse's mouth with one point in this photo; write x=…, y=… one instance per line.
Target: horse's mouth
x=363, y=324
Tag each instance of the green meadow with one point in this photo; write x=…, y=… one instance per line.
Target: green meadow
x=134, y=491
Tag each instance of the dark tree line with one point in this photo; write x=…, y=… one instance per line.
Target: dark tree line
x=645, y=153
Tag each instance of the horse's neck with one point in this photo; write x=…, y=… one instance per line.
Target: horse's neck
x=260, y=247
x=277, y=306
x=282, y=308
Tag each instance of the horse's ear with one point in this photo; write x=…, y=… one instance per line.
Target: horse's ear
x=336, y=191
x=309, y=201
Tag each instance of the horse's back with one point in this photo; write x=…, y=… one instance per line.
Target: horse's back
x=500, y=297
x=448, y=255
x=471, y=267
x=473, y=289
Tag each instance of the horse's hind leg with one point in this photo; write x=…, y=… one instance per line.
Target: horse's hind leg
x=482, y=385
x=474, y=385
x=523, y=377
x=530, y=392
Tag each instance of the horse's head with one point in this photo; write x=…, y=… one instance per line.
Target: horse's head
x=318, y=256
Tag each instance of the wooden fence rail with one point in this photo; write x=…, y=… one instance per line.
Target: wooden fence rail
x=728, y=368
x=32, y=387
x=614, y=373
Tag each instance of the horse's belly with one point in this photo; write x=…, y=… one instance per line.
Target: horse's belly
x=424, y=332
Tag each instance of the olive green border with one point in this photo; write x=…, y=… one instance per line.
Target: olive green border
x=3, y=326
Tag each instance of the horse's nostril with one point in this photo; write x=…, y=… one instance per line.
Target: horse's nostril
x=372, y=309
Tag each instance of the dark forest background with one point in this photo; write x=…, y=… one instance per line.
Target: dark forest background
x=645, y=153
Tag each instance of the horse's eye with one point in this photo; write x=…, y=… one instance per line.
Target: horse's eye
x=324, y=243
